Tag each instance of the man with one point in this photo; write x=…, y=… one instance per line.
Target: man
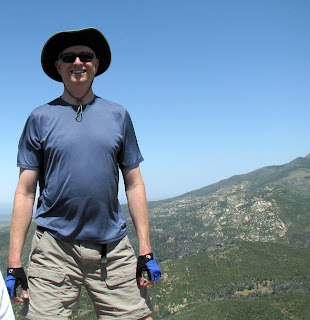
x=74, y=146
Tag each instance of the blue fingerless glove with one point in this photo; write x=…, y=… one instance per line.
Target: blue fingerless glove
x=148, y=263
x=14, y=278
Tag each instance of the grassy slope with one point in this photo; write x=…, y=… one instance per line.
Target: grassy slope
x=280, y=307
x=207, y=281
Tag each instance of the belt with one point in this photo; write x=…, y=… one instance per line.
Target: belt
x=41, y=229
x=104, y=254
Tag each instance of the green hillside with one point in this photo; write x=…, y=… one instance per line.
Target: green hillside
x=280, y=307
x=238, y=280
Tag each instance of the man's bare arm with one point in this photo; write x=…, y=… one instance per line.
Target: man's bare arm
x=22, y=214
x=137, y=203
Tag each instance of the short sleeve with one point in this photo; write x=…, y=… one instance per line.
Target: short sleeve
x=130, y=155
x=30, y=154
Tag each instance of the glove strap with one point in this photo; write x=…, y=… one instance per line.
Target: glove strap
x=147, y=257
x=14, y=271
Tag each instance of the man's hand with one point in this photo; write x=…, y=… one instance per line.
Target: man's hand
x=148, y=263
x=14, y=278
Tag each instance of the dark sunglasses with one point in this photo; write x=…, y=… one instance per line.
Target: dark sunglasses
x=70, y=57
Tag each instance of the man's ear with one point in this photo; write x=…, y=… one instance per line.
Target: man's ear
x=96, y=65
x=57, y=65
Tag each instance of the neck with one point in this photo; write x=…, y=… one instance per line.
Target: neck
x=78, y=97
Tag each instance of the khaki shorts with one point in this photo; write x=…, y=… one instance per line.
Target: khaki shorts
x=58, y=269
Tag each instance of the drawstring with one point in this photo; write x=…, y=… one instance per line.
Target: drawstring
x=79, y=112
x=79, y=100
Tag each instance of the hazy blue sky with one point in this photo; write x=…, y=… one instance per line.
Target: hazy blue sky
x=214, y=88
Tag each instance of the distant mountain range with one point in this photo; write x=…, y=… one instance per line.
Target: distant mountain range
x=271, y=204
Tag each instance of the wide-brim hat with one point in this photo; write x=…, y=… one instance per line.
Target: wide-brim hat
x=89, y=37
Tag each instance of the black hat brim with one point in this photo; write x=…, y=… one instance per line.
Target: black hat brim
x=89, y=37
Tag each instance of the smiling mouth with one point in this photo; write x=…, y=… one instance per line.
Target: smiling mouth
x=77, y=72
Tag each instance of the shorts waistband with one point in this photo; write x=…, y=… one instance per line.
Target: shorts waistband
x=103, y=246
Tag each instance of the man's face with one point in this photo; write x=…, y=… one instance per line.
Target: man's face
x=77, y=72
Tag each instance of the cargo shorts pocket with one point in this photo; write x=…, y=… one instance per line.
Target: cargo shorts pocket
x=120, y=277
x=53, y=274
x=46, y=291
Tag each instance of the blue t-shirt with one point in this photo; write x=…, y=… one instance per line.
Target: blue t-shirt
x=78, y=162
